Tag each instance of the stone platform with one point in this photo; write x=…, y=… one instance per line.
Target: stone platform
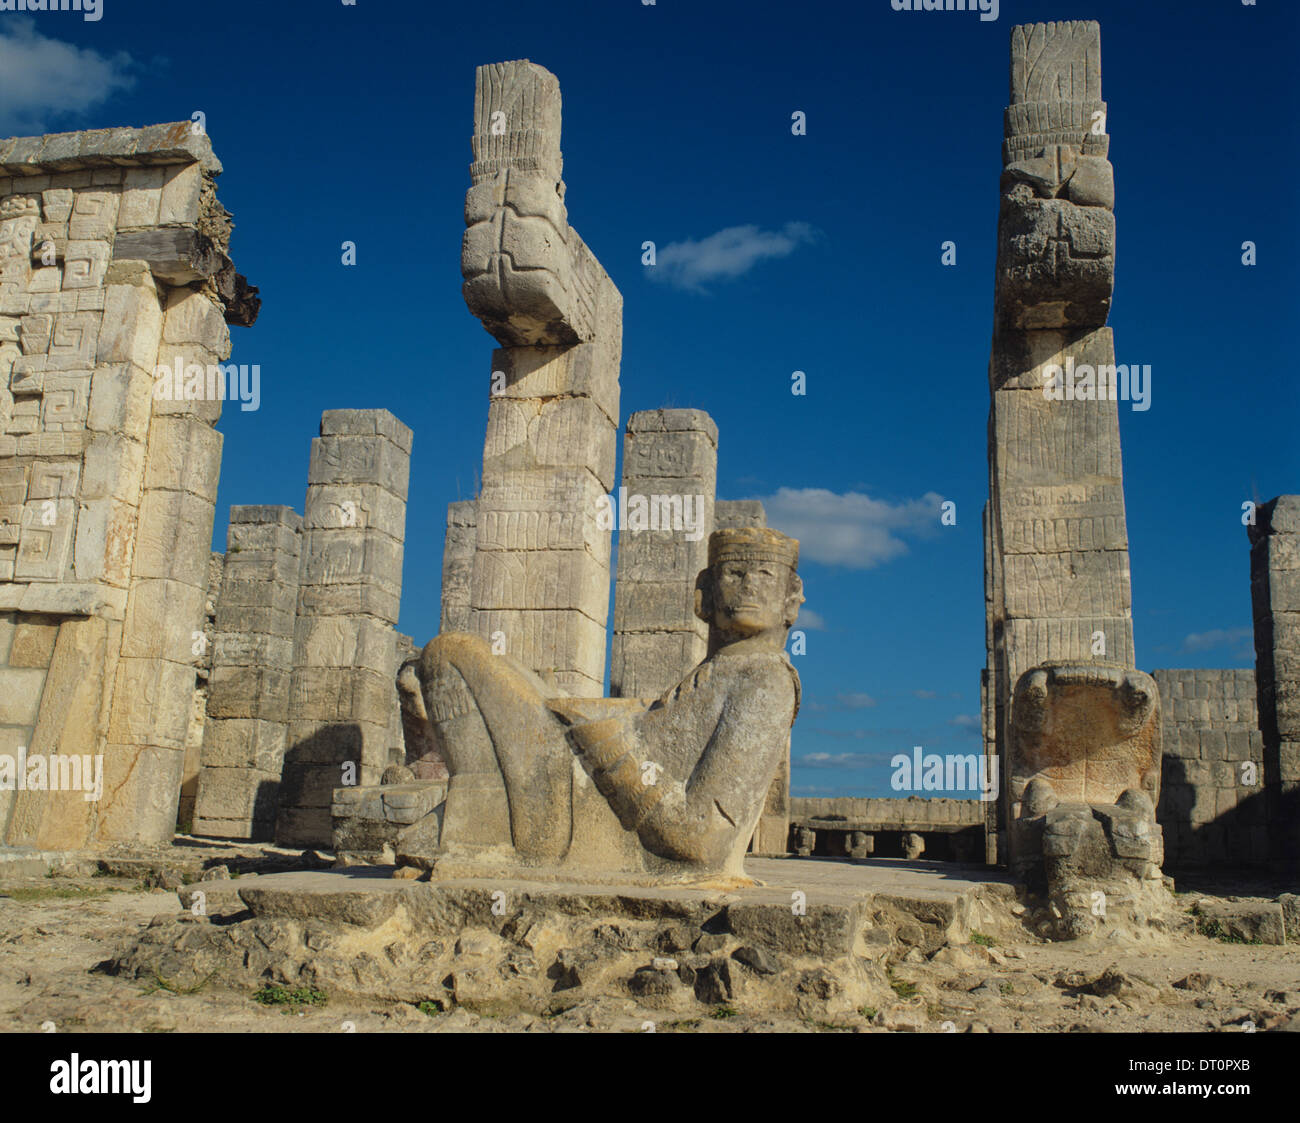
x=815, y=939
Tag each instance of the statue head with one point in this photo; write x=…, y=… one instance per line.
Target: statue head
x=750, y=589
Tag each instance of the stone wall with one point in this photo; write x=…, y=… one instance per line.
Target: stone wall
x=670, y=461
x=458, y=565
x=1212, y=809
x=343, y=687
x=252, y=661
x=202, y=691
x=112, y=263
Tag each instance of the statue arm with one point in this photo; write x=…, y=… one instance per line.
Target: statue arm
x=696, y=817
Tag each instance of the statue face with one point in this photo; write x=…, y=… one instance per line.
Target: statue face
x=750, y=596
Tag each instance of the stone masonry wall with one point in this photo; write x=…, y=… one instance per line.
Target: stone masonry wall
x=345, y=643
x=252, y=662
x=112, y=261
x=1209, y=811
x=670, y=459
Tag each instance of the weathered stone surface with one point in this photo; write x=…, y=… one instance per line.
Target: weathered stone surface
x=244, y=741
x=340, y=708
x=673, y=792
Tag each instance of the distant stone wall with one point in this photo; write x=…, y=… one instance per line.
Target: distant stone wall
x=911, y=814
x=1210, y=813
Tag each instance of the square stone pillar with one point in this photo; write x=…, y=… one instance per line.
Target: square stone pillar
x=458, y=565
x=345, y=645
x=252, y=663
x=540, y=582
x=1275, y=594
x=670, y=469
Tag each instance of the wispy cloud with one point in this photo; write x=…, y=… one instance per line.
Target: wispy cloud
x=47, y=81
x=969, y=723
x=854, y=700
x=850, y=530
x=726, y=255
x=924, y=694
x=838, y=760
x=810, y=621
x=1238, y=642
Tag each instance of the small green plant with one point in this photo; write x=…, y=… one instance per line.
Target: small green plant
x=159, y=983
x=722, y=1012
x=901, y=988
x=1006, y=988
x=292, y=1000
x=429, y=1008
x=983, y=940
x=868, y=1012
x=51, y=893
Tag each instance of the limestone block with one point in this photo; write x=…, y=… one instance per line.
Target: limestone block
x=347, y=556
x=85, y=264
x=141, y=196
x=94, y=214
x=558, y=510
x=340, y=641
x=352, y=599
x=239, y=794
x=347, y=459
x=244, y=743
x=654, y=605
x=45, y=545
x=1056, y=264
x=132, y=325
x=163, y=621
x=546, y=640
x=192, y=318
x=1083, y=584
x=541, y=580
x=183, y=456
x=151, y=705
x=249, y=692
x=179, y=197
x=458, y=565
x=589, y=370
x=356, y=507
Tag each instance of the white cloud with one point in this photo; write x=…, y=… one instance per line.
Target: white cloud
x=850, y=530
x=855, y=700
x=725, y=255
x=837, y=760
x=924, y=694
x=1238, y=642
x=46, y=80
x=810, y=621
x=971, y=723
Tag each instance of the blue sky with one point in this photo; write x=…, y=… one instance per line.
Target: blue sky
x=340, y=122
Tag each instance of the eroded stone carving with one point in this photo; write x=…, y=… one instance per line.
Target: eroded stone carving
x=1084, y=784
x=613, y=787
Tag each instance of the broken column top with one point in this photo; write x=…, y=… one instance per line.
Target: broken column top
x=1280, y=515
x=174, y=143
x=1055, y=88
x=673, y=421
x=366, y=423
x=516, y=120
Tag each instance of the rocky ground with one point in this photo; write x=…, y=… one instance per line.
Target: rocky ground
x=57, y=932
